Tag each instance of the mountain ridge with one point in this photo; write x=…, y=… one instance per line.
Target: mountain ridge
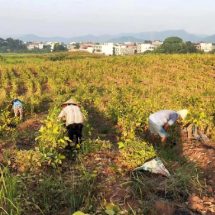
x=125, y=39
x=141, y=36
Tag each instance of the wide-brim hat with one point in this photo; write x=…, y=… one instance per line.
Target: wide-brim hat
x=183, y=113
x=70, y=101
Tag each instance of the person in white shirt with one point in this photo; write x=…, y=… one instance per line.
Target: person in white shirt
x=74, y=121
x=160, y=121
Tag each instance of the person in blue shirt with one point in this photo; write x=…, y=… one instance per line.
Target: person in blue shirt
x=18, y=108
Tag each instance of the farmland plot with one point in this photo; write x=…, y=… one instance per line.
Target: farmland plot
x=117, y=95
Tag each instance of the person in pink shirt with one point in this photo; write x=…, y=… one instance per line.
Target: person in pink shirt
x=74, y=121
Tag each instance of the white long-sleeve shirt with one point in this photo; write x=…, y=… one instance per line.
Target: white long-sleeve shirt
x=164, y=116
x=73, y=114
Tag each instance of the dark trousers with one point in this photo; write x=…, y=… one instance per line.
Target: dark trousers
x=75, y=130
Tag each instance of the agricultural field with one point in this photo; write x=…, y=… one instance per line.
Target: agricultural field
x=117, y=94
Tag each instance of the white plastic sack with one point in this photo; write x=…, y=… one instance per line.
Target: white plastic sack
x=155, y=166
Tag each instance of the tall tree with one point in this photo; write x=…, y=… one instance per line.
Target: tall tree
x=176, y=45
x=77, y=46
x=191, y=47
x=148, y=41
x=12, y=45
x=59, y=48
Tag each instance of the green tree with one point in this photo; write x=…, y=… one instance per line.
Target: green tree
x=173, y=40
x=148, y=41
x=212, y=52
x=176, y=45
x=12, y=45
x=148, y=52
x=191, y=47
x=2, y=59
x=59, y=48
x=77, y=46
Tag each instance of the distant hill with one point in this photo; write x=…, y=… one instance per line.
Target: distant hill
x=125, y=39
x=185, y=36
x=32, y=37
x=209, y=39
x=162, y=35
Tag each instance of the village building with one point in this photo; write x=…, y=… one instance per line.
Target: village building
x=143, y=47
x=206, y=47
x=34, y=44
x=125, y=49
x=87, y=48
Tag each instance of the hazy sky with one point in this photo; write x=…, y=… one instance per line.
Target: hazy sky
x=78, y=17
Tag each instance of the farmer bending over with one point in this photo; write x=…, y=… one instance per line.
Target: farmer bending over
x=160, y=121
x=74, y=120
x=17, y=107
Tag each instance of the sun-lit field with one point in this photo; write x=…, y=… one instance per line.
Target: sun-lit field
x=117, y=95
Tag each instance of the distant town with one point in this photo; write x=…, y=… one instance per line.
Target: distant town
x=169, y=46
x=121, y=49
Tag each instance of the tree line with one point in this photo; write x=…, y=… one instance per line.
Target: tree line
x=11, y=45
x=18, y=46
x=175, y=45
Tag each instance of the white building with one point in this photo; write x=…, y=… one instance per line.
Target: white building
x=71, y=47
x=34, y=44
x=125, y=49
x=104, y=48
x=119, y=49
x=107, y=48
x=50, y=44
x=40, y=46
x=206, y=47
x=89, y=49
x=128, y=43
x=98, y=49
x=143, y=47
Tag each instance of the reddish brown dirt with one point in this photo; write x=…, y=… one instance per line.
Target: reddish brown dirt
x=202, y=155
x=27, y=129
x=203, y=205
x=32, y=124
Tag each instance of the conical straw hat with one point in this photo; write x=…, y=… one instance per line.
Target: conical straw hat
x=70, y=101
x=183, y=113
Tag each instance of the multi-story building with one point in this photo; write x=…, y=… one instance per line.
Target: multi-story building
x=143, y=47
x=98, y=49
x=119, y=49
x=198, y=47
x=127, y=43
x=34, y=44
x=206, y=47
x=104, y=48
x=87, y=48
x=71, y=47
x=125, y=49
x=51, y=44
